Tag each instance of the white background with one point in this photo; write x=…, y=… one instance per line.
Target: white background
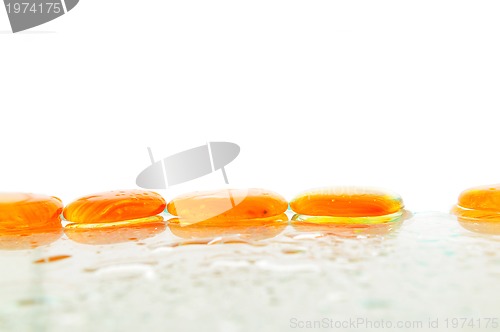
x=395, y=94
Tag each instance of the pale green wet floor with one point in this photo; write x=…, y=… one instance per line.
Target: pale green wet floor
x=429, y=268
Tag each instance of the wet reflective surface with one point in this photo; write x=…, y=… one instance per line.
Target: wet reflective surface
x=116, y=233
x=196, y=278
x=250, y=229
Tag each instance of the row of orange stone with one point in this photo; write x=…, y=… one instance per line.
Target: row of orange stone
x=198, y=233
x=31, y=211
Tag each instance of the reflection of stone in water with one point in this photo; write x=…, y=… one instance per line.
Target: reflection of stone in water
x=247, y=229
x=115, y=232
x=480, y=226
x=29, y=239
x=368, y=220
x=346, y=229
x=51, y=259
x=226, y=239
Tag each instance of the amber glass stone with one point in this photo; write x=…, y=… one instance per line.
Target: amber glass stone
x=21, y=211
x=480, y=203
x=228, y=204
x=112, y=206
x=347, y=202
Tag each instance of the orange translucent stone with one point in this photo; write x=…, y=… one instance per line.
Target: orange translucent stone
x=482, y=203
x=228, y=204
x=111, y=206
x=347, y=202
x=23, y=211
